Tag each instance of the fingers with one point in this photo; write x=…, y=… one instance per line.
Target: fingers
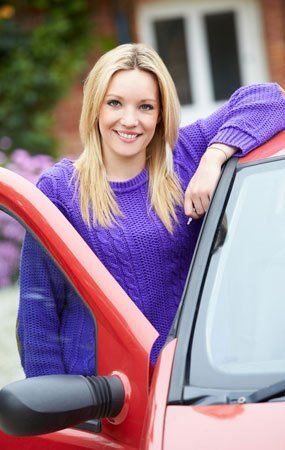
x=195, y=205
x=205, y=200
x=201, y=188
x=198, y=206
x=192, y=212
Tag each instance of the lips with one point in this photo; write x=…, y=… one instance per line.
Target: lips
x=127, y=137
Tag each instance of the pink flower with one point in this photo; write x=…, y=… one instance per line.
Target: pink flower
x=9, y=258
x=3, y=157
x=11, y=232
x=5, y=142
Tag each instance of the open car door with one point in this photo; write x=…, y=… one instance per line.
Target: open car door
x=123, y=336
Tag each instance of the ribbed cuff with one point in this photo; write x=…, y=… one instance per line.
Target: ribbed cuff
x=235, y=138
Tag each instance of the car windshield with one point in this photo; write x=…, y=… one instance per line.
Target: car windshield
x=239, y=339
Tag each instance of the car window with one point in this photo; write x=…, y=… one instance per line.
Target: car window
x=240, y=333
x=45, y=327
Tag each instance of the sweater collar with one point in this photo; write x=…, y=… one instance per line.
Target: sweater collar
x=131, y=184
x=121, y=186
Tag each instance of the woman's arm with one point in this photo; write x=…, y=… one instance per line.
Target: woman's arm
x=252, y=116
x=42, y=297
x=42, y=294
x=203, y=183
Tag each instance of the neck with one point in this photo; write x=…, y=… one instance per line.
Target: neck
x=125, y=169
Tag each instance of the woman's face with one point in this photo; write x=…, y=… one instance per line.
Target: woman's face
x=128, y=115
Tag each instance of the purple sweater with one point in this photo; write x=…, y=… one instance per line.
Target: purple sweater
x=55, y=329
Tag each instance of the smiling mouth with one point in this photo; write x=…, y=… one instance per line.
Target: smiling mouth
x=127, y=136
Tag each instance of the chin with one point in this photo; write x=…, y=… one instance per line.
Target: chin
x=128, y=154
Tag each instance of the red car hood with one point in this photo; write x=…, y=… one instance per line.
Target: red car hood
x=225, y=427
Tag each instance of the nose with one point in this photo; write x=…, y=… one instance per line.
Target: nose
x=129, y=118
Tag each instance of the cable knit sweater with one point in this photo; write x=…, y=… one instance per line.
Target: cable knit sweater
x=55, y=329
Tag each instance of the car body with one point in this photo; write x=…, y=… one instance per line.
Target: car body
x=199, y=395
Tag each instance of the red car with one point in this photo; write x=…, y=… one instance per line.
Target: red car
x=220, y=380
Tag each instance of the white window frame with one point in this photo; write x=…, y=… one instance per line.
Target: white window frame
x=250, y=42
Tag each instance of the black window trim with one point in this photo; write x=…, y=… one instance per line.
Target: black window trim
x=186, y=316
x=184, y=323
x=268, y=159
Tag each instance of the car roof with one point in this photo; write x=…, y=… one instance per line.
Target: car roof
x=273, y=147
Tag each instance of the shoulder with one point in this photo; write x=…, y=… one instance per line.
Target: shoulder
x=59, y=174
x=58, y=182
x=60, y=171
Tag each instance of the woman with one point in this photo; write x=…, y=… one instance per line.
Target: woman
x=130, y=195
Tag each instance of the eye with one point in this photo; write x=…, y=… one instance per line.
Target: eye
x=146, y=107
x=114, y=103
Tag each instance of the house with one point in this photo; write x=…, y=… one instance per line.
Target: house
x=211, y=47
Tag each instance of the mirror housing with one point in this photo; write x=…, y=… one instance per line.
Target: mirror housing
x=50, y=403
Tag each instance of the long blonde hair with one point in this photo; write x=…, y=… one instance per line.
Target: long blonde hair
x=165, y=192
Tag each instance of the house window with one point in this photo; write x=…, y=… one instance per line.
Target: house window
x=210, y=48
x=223, y=53
x=171, y=45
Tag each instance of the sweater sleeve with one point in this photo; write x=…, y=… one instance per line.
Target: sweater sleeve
x=42, y=296
x=251, y=117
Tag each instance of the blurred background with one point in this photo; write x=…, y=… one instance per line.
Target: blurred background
x=47, y=47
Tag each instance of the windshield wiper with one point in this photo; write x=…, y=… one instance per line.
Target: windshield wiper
x=264, y=394
x=207, y=397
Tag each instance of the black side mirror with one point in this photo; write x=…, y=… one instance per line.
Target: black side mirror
x=50, y=403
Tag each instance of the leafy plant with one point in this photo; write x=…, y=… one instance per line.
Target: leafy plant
x=43, y=46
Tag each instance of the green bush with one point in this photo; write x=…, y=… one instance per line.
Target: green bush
x=39, y=63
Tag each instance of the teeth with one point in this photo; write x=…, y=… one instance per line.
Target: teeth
x=127, y=136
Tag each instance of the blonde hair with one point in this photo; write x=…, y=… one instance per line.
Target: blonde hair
x=165, y=192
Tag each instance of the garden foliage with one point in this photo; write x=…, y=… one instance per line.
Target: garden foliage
x=43, y=46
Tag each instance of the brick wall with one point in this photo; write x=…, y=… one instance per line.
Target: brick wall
x=68, y=111
x=274, y=31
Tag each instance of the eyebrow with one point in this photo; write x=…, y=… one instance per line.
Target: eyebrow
x=144, y=100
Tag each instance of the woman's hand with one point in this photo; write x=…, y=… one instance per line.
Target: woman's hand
x=203, y=183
